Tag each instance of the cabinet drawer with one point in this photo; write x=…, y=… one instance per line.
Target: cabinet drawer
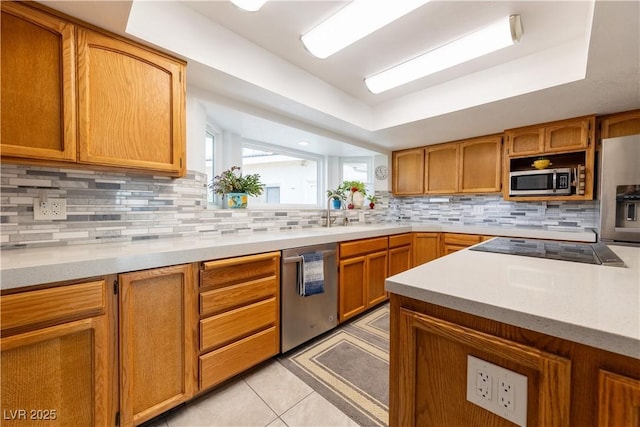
x=235, y=324
x=461, y=239
x=216, y=274
x=52, y=305
x=234, y=358
x=360, y=247
x=229, y=297
x=399, y=240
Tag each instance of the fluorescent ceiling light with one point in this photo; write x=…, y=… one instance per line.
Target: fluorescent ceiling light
x=496, y=36
x=249, y=5
x=353, y=22
x=303, y=143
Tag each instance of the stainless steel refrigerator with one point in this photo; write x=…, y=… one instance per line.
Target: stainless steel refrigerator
x=620, y=190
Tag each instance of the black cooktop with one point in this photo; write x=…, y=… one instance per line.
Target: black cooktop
x=552, y=249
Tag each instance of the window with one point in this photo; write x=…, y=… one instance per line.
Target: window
x=290, y=177
x=357, y=169
x=209, y=160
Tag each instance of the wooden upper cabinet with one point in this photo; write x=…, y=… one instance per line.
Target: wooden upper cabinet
x=38, y=85
x=525, y=141
x=131, y=105
x=481, y=165
x=560, y=136
x=441, y=170
x=573, y=134
x=620, y=124
x=408, y=172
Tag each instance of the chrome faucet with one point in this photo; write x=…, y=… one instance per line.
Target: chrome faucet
x=329, y=210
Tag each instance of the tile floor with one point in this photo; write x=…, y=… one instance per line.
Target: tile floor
x=267, y=396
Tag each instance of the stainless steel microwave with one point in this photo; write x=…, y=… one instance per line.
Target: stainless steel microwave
x=540, y=182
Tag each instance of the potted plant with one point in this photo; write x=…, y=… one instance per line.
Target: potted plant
x=356, y=193
x=235, y=188
x=372, y=201
x=337, y=196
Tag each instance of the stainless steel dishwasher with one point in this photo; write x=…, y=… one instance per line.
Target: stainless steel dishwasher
x=303, y=318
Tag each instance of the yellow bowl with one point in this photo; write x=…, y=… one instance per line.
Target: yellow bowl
x=541, y=163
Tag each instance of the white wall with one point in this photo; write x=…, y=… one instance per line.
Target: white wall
x=196, y=133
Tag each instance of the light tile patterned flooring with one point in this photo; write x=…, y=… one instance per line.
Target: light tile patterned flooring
x=267, y=396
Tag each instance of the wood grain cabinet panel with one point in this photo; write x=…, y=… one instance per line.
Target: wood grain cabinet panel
x=239, y=315
x=38, y=85
x=408, y=172
x=157, y=350
x=567, y=135
x=481, y=165
x=452, y=242
x=76, y=96
x=400, y=253
x=363, y=268
x=619, y=124
x=618, y=400
x=526, y=141
x=441, y=170
x=63, y=372
x=131, y=105
x=426, y=247
x=428, y=350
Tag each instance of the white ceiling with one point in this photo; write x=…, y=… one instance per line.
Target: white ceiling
x=256, y=79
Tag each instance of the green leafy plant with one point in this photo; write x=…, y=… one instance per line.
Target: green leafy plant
x=232, y=181
x=372, y=199
x=353, y=186
x=337, y=194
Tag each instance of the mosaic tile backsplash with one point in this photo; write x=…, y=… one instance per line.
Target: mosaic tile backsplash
x=116, y=207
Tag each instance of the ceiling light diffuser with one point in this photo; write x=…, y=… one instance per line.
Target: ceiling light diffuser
x=496, y=36
x=353, y=22
x=249, y=5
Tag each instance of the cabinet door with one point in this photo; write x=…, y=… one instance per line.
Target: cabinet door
x=353, y=276
x=618, y=401
x=157, y=350
x=453, y=242
x=62, y=371
x=442, y=169
x=408, y=172
x=426, y=247
x=622, y=124
x=525, y=141
x=481, y=165
x=131, y=106
x=38, y=85
x=568, y=135
x=376, y=275
x=399, y=259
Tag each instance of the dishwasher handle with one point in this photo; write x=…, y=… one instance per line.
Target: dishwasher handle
x=298, y=258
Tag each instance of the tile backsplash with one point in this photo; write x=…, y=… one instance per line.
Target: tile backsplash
x=115, y=207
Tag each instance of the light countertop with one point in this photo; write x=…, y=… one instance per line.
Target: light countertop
x=33, y=266
x=590, y=304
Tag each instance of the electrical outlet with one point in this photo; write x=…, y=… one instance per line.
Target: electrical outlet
x=498, y=390
x=483, y=384
x=50, y=209
x=506, y=395
x=361, y=217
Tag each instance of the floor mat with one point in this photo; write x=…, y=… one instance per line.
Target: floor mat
x=349, y=366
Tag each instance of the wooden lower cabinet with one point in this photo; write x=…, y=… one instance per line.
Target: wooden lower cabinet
x=618, y=400
x=400, y=253
x=568, y=384
x=157, y=349
x=452, y=242
x=362, y=272
x=239, y=324
x=58, y=356
x=426, y=247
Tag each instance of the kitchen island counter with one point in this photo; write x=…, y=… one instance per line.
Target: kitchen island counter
x=593, y=305
x=33, y=266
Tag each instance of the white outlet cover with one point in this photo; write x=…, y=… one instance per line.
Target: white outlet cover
x=517, y=411
x=51, y=209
